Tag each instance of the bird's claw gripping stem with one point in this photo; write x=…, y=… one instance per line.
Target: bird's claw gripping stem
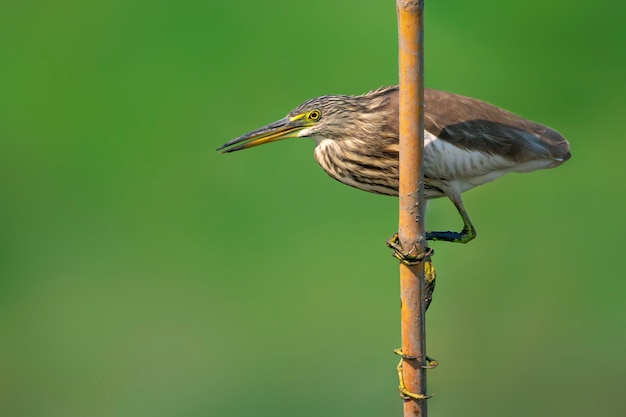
x=406, y=258
x=431, y=363
x=405, y=394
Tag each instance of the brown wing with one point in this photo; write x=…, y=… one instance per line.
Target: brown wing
x=472, y=124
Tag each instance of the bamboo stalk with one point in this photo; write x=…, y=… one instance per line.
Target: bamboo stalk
x=411, y=220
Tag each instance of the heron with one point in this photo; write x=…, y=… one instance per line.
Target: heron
x=467, y=143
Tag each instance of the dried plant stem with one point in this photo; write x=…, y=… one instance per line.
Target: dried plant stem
x=411, y=225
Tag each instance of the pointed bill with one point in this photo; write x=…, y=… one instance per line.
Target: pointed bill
x=281, y=129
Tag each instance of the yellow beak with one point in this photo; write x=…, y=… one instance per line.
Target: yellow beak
x=281, y=129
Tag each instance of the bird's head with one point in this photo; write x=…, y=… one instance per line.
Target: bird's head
x=337, y=117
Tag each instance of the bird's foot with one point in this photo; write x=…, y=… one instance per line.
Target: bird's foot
x=466, y=235
x=431, y=363
x=405, y=394
x=430, y=274
x=407, y=258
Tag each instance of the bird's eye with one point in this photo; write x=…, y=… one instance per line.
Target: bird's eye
x=315, y=115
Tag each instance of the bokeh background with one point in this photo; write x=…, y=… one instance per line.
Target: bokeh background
x=144, y=274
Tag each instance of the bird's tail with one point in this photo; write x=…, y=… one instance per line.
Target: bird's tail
x=558, y=146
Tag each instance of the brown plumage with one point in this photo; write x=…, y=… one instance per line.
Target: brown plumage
x=467, y=143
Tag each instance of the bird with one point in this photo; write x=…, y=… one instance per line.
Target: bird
x=467, y=143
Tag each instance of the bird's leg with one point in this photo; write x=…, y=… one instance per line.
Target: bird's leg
x=468, y=233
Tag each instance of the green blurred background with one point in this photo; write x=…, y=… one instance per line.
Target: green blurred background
x=144, y=274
